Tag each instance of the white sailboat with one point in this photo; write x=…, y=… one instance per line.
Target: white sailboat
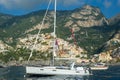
x=56, y=70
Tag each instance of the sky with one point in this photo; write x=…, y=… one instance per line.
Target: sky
x=109, y=8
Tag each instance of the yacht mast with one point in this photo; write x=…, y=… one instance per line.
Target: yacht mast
x=54, y=53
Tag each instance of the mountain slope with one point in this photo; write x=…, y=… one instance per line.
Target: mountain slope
x=113, y=44
x=5, y=19
x=82, y=21
x=92, y=31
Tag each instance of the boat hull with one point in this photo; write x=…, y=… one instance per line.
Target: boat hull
x=99, y=68
x=54, y=71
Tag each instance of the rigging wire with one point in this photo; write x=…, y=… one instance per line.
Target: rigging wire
x=54, y=53
x=39, y=30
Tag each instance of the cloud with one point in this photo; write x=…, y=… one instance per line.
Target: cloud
x=32, y=4
x=107, y=3
x=21, y=4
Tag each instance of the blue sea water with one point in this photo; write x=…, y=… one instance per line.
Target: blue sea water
x=17, y=73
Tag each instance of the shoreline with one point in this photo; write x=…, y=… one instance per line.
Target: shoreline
x=38, y=63
x=114, y=64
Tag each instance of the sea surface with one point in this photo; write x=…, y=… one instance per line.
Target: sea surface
x=18, y=72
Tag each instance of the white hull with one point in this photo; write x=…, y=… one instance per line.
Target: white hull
x=54, y=71
x=99, y=68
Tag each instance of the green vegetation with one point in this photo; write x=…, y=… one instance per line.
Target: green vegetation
x=14, y=27
x=22, y=54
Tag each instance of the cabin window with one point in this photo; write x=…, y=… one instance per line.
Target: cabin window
x=54, y=70
x=41, y=69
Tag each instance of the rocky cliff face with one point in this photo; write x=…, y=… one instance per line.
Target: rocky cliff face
x=116, y=53
x=87, y=16
x=88, y=23
x=115, y=39
x=3, y=46
x=112, y=46
x=115, y=20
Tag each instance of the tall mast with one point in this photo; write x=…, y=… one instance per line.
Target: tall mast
x=54, y=53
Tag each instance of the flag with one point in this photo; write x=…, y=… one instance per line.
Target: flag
x=56, y=44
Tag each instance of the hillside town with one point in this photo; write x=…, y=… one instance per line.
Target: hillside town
x=63, y=49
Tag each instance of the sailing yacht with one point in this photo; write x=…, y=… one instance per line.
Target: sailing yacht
x=56, y=70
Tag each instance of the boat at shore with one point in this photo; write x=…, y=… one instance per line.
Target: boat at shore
x=99, y=66
x=52, y=69
x=1, y=66
x=57, y=70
